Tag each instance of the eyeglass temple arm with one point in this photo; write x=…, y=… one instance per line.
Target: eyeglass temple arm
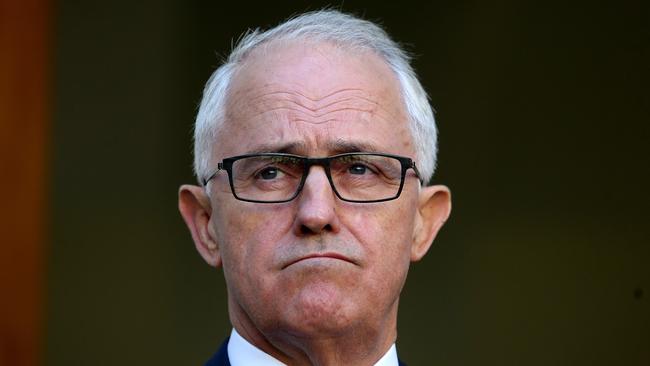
x=417, y=172
x=209, y=178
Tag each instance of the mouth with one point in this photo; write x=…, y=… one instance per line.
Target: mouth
x=335, y=256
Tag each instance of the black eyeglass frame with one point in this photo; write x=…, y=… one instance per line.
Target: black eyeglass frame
x=227, y=163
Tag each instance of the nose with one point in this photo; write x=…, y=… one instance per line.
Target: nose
x=316, y=205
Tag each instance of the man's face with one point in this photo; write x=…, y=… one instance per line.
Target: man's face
x=314, y=265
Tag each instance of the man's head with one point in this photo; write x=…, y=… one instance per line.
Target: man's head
x=344, y=31
x=315, y=268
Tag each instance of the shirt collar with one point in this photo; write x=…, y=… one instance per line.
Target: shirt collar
x=242, y=353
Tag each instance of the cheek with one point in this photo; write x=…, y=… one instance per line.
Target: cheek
x=386, y=234
x=249, y=234
x=246, y=241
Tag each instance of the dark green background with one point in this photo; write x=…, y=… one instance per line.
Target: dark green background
x=543, y=109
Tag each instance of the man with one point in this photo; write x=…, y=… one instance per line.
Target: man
x=314, y=146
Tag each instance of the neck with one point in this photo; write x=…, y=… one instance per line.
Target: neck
x=363, y=343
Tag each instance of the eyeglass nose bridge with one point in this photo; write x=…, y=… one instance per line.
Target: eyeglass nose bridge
x=308, y=164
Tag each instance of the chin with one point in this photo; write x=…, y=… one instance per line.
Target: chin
x=321, y=310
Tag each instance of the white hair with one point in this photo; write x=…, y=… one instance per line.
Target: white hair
x=321, y=26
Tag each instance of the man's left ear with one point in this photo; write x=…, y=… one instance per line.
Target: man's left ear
x=433, y=211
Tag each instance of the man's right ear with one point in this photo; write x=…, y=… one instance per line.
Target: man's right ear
x=196, y=209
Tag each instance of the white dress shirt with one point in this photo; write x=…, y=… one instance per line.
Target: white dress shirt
x=242, y=353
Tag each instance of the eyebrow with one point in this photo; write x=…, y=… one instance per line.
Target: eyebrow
x=286, y=148
x=339, y=146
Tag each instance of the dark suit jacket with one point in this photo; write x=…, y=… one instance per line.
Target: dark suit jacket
x=221, y=357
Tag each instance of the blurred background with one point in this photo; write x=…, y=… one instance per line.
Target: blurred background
x=543, y=110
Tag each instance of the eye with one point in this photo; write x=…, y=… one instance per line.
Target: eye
x=268, y=173
x=358, y=169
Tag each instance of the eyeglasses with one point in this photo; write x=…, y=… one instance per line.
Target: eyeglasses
x=354, y=177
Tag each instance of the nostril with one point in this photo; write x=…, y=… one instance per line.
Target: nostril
x=306, y=230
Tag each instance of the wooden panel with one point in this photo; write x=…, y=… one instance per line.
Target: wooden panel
x=24, y=120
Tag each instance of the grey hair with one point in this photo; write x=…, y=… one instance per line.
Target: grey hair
x=321, y=26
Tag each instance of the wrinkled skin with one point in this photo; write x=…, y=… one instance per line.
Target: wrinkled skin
x=315, y=280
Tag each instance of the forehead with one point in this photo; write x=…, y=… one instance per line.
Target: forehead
x=312, y=96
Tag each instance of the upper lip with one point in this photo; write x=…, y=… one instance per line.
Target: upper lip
x=333, y=255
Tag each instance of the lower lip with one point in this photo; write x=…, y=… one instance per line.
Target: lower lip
x=319, y=260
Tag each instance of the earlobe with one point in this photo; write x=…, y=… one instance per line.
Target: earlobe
x=195, y=207
x=434, y=209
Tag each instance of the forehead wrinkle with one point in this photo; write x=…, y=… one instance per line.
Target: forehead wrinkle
x=345, y=109
x=295, y=100
x=315, y=115
x=298, y=92
x=318, y=108
x=316, y=112
x=316, y=122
